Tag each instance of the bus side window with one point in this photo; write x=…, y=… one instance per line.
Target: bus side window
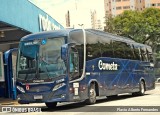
x=137, y=52
x=128, y=51
x=118, y=49
x=144, y=54
x=93, y=51
x=106, y=48
x=149, y=55
x=74, y=64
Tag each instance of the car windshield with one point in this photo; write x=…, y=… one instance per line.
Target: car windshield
x=40, y=59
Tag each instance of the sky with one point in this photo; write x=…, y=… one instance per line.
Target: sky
x=79, y=10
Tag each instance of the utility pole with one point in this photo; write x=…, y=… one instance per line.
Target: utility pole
x=76, y=4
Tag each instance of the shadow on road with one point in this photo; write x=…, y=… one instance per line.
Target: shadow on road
x=78, y=107
x=65, y=107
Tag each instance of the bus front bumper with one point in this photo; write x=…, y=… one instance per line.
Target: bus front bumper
x=27, y=98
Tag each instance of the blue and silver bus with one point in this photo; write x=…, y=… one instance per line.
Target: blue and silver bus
x=73, y=65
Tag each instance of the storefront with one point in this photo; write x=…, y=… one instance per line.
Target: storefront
x=17, y=19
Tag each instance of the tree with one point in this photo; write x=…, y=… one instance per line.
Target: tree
x=129, y=25
x=109, y=23
x=151, y=22
x=141, y=26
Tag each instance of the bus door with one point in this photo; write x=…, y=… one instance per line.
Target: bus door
x=73, y=63
x=10, y=57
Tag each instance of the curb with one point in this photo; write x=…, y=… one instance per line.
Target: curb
x=9, y=103
x=157, y=83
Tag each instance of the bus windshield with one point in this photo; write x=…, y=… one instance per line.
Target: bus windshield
x=40, y=59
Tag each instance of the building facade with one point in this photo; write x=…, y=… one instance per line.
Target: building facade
x=67, y=16
x=116, y=7
x=95, y=22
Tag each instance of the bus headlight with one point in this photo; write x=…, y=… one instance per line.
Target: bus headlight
x=58, y=86
x=21, y=89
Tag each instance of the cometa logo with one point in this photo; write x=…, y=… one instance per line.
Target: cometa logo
x=107, y=66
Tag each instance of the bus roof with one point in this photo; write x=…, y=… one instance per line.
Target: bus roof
x=66, y=32
x=44, y=34
x=110, y=35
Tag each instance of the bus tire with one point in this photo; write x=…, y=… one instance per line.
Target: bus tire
x=51, y=104
x=92, y=95
x=142, y=88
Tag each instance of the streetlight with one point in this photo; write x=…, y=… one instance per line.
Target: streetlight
x=82, y=25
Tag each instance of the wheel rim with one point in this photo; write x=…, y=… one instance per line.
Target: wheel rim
x=142, y=88
x=92, y=95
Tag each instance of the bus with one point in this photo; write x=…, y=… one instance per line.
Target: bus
x=74, y=65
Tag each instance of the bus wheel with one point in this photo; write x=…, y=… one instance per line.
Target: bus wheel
x=51, y=104
x=92, y=95
x=142, y=88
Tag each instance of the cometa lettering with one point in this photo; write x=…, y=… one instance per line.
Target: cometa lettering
x=107, y=66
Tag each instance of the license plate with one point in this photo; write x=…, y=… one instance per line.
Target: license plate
x=38, y=97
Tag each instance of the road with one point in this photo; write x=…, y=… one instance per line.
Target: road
x=116, y=106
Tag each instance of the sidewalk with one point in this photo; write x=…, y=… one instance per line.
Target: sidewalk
x=6, y=101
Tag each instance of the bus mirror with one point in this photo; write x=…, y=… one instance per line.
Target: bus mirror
x=64, y=51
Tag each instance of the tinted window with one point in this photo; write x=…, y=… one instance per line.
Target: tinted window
x=93, y=51
x=128, y=51
x=93, y=47
x=73, y=64
x=80, y=49
x=118, y=49
x=136, y=52
x=143, y=54
x=106, y=48
x=149, y=54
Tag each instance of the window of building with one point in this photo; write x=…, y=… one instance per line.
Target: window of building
x=153, y=4
x=126, y=7
x=118, y=8
x=118, y=0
